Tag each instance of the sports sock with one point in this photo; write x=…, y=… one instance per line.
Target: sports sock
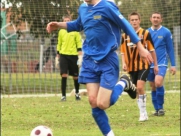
x=110, y=133
x=142, y=103
x=154, y=100
x=101, y=119
x=160, y=96
x=63, y=86
x=76, y=85
x=117, y=91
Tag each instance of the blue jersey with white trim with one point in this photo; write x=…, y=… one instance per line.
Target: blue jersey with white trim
x=102, y=24
x=162, y=39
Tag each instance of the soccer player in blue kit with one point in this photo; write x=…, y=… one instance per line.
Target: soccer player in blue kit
x=162, y=39
x=101, y=22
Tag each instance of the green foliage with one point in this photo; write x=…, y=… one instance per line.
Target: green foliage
x=39, y=12
x=73, y=118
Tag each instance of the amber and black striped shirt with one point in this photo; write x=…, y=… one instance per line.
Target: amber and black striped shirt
x=132, y=58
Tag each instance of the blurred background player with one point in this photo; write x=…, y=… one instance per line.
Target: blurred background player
x=69, y=48
x=138, y=68
x=162, y=39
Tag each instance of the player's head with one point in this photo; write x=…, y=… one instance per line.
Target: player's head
x=156, y=19
x=66, y=18
x=135, y=20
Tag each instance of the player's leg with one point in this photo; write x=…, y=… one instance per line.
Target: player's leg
x=151, y=79
x=141, y=80
x=76, y=85
x=74, y=71
x=63, y=72
x=109, y=80
x=98, y=114
x=90, y=76
x=160, y=91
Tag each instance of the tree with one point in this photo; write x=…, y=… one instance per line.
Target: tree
x=39, y=12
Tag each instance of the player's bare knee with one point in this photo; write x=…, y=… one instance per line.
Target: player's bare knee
x=152, y=85
x=102, y=105
x=158, y=84
x=93, y=101
x=140, y=89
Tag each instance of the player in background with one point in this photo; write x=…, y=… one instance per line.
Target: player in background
x=101, y=22
x=162, y=39
x=138, y=68
x=69, y=47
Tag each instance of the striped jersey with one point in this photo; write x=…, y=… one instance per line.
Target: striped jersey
x=132, y=58
x=164, y=47
x=69, y=43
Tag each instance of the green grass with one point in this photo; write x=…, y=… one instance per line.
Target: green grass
x=73, y=118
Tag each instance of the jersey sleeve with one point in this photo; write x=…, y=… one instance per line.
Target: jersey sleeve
x=115, y=15
x=75, y=25
x=170, y=48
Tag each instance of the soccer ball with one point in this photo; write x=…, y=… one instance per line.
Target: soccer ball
x=41, y=131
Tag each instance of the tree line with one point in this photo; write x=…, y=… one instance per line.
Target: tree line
x=39, y=12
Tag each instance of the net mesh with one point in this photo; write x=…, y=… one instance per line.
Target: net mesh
x=25, y=42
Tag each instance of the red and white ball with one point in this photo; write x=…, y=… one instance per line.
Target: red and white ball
x=41, y=131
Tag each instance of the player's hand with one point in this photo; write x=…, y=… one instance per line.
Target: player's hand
x=173, y=70
x=79, y=62
x=52, y=26
x=144, y=53
x=124, y=67
x=155, y=70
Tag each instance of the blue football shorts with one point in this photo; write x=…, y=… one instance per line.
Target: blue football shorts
x=105, y=72
x=161, y=71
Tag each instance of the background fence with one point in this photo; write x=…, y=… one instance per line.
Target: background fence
x=28, y=52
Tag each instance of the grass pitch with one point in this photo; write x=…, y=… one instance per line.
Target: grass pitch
x=73, y=118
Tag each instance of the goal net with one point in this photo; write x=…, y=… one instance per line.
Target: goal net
x=28, y=51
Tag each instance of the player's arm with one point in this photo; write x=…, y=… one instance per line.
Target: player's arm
x=70, y=26
x=150, y=47
x=122, y=51
x=153, y=54
x=118, y=19
x=124, y=66
x=170, y=51
x=52, y=26
x=79, y=48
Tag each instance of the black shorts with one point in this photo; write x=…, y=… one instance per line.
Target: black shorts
x=139, y=75
x=68, y=65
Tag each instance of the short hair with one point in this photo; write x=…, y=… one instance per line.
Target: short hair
x=156, y=12
x=134, y=13
x=67, y=16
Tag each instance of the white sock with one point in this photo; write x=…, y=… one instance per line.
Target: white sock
x=110, y=133
x=142, y=103
x=121, y=83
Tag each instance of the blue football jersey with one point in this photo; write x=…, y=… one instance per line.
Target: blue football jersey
x=102, y=24
x=162, y=39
